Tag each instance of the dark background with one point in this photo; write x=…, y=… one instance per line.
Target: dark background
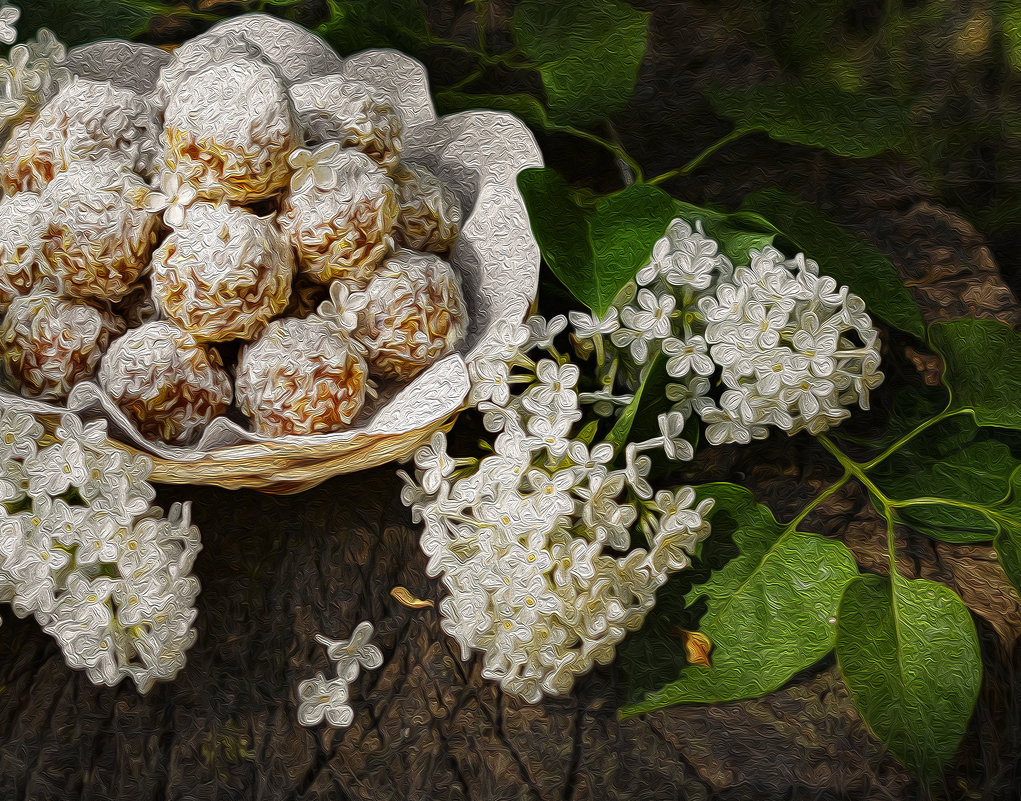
x=277, y=570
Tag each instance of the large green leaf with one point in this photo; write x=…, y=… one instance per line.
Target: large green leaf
x=1008, y=550
x=909, y=654
x=594, y=252
x=651, y=390
x=79, y=21
x=1009, y=14
x=771, y=611
x=842, y=255
x=737, y=233
x=845, y=123
x=1008, y=541
x=978, y=474
x=587, y=52
x=983, y=369
x=359, y=24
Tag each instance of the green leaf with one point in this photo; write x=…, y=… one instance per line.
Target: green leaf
x=624, y=227
x=1009, y=14
x=587, y=53
x=842, y=255
x=524, y=106
x=77, y=22
x=355, y=25
x=769, y=610
x=594, y=252
x=737, y=233
x=983, y=369
x=979, y=474
x=1008, y=550
x=1008, y=541
x=651, y=390
x=909, y=654
x=845, y=123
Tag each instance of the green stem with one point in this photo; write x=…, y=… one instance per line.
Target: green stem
x=997, y=518
x=891, y=548
x=910, y=436
x=792, y=526
x=854, y=469
x=163, y=9
x=614, y=148
x=481, y=12
x=692, y=165
x=467, y=79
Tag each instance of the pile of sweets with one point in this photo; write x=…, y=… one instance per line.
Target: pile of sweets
x=229, y=241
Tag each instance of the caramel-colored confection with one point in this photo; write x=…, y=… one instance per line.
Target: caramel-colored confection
x=338, y=109
x=430, y=216
x=222, y=274
x=49, y=343
x=300, y=377
x=342, y=232
x=85, y=120
x=415, y=314
x=168, y=384
x=98, y=238
x=22, y=263
x=228, y=131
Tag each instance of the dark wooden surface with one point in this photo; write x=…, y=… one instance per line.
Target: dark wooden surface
x=276, y=571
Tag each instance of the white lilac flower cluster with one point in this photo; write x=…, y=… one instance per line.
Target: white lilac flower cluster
x=533, y=543
x=789, y=347
x=84, y=551
x=31, y=74
x=327, y=698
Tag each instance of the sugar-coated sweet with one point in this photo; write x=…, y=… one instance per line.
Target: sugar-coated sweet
x=49, y=343
x=98, y=236
x=415, y=314
x=223, y=273
x=167, y=383
x=430, y=215
x=196, y=56
x=22, y=263
x=340, y=226
x=301, y=377
x=335, y=108
x=85, y=120
x=228, y=130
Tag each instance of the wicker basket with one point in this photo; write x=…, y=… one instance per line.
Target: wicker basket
x=479, y=153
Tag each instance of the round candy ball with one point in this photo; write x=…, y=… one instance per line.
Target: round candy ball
x=85, y=120
x=228, y=131
x=98, y=237
x=223, y=273
x=339, y=214
x=430, y=216
x=415, y=314
x=339, y=109
x=49, y=343
x=197, y=55
x=301, y=377
x=22, y=263
x=168, y=384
